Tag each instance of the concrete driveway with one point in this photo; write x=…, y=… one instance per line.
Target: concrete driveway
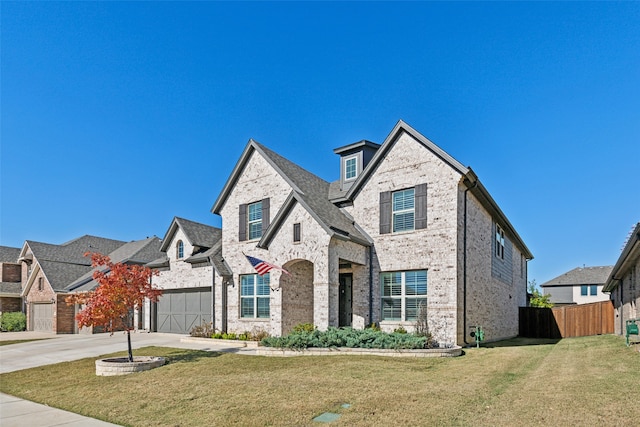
x=63, y=348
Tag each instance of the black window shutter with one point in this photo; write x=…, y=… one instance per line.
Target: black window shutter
x=421, y=206
x=385, y=212
x=265, y=215
x=242, y=223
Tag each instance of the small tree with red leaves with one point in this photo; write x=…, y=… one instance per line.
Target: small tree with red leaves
x=121, y=288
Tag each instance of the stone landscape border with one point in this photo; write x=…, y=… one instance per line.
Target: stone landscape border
x=121, y=365
x=345, y=351
x=336, y=351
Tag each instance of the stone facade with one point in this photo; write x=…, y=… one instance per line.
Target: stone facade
x=455, y=245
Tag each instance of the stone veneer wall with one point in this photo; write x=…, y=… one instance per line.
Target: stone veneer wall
x=258, y=181
x=629, y=306
x=181, y=274
x=406, y=165
x=492, y=302
x=44, y=296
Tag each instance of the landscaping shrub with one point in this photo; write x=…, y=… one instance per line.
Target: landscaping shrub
x=203, y=331
x=302, y=338
x=13, y=322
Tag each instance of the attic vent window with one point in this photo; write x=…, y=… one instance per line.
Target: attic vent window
x=351, y=168
x=40, y=284
x=297, y=235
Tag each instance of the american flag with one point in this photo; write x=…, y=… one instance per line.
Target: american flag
x=263, y=267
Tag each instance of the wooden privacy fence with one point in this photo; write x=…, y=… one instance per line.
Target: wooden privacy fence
x=567, y=321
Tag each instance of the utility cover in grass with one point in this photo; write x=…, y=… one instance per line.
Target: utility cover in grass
x=327, y=417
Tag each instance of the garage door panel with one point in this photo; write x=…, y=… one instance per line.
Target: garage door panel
x=180, y=311
x=42, y=316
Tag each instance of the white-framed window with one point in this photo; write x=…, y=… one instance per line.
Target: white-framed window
x=403, y=210
x=254, y=215
x=254, y=296
x=402, y=294
x=180, y=249
x=588, y=290
x=499, y=242
x=351, y=168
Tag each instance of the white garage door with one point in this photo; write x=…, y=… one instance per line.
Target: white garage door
x=179, y=311
x=42, y=317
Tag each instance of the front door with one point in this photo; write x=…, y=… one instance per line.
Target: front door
x=345, y=300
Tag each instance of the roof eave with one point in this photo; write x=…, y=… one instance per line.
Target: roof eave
x=630, y=252
x=395, y=133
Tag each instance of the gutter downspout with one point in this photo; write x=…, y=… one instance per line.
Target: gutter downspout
x=370, y=284
x=467, y=181
x=213, y=295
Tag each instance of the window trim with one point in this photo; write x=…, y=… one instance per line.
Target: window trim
x=500, y=242
x=404, y=211
x=346, y=168
x=404, y=296
x=179, y=249
x=255, y=221
x=255, y=297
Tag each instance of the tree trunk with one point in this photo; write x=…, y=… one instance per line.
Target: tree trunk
x=129, y=344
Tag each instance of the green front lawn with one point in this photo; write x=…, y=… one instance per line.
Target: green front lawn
x=580, y=381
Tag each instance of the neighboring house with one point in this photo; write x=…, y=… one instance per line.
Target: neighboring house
x=190, y=266
x=623, y=284
x=405, y=226
x=582, y=285
x=10, y=280
x=51, y=272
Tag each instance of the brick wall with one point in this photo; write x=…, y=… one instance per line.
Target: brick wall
x=408, y=164
x=10, y=272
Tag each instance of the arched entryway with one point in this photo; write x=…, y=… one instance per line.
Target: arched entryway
x=297, y=294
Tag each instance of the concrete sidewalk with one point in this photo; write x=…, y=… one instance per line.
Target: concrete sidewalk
x=52, y=349
x=16, y=412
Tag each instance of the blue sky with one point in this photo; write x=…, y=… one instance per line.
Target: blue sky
x=115, y=117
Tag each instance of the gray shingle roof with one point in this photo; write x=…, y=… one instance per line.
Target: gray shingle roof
x=212, y=254
x=581, y=276
x=315, y=192
x=9, y=254
x=60, y=274
x=10, y=288
x=201, y=236
x=72, y=252
x=308, y=189
x=134, y=252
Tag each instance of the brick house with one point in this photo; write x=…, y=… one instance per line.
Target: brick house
x=405, y=226
x=623, y=284
x=190, y=266
x=10, y=280
x=51, y=272
x=582, y=285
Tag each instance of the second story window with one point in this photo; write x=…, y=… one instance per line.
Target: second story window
x=180, y=249
x=404, y=210
x=499, y=242
x=350, y=168
x=253, y=220
x=254, y=212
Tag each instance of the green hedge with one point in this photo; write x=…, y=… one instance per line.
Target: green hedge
x=301, y=338
x=13, y=322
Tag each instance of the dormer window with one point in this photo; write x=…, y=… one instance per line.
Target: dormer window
x=180, y=249
x=351, y=168
x=353, y=160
